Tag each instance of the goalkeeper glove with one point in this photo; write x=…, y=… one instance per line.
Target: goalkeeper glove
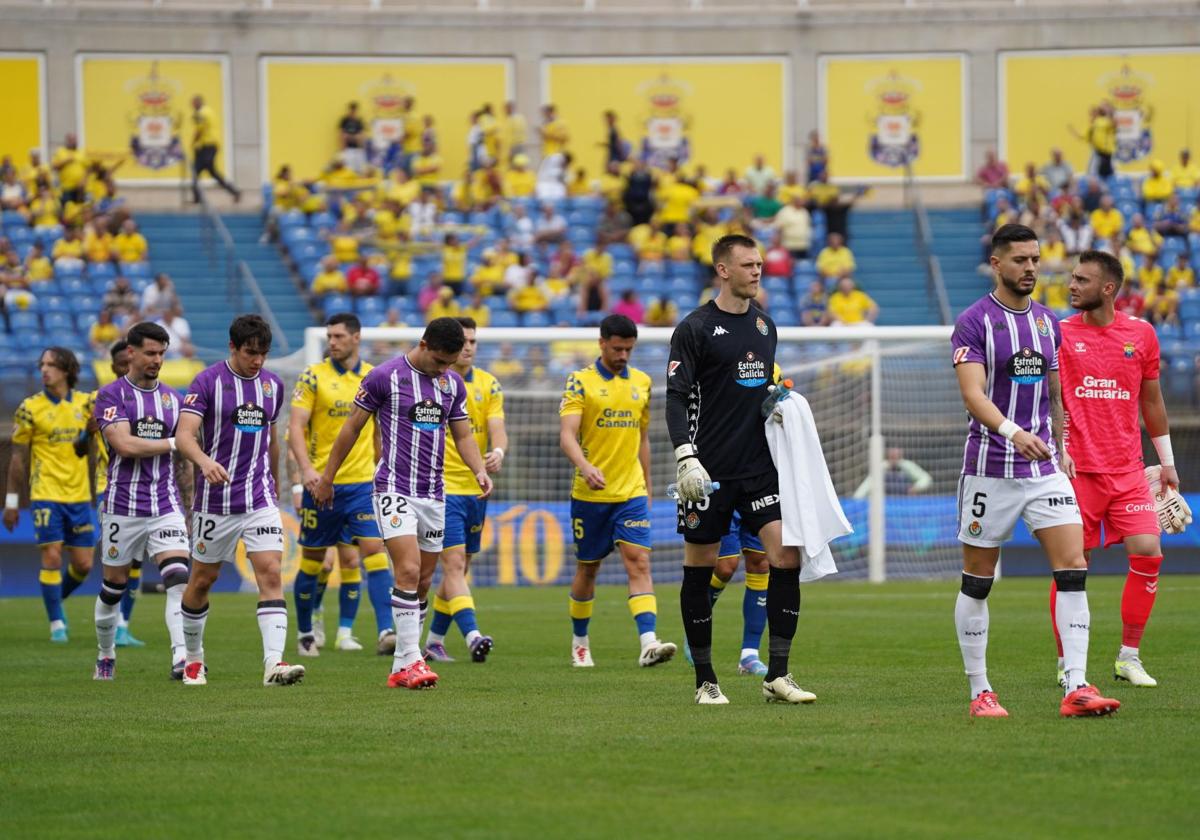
x=694, y=482
x=1174, y=514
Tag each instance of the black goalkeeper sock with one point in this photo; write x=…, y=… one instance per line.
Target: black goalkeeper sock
x=783, y=611
x=695, y=604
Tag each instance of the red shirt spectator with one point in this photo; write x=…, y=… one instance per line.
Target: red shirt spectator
x=630, y=307
x=994, y=172
x=778, y=262
x=1129, y=301
x=362, y=279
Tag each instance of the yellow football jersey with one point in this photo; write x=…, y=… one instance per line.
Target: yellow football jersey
x=485, y=400
x=326, y=390
x=101, y=448
x=614, y=410
x=50, y=427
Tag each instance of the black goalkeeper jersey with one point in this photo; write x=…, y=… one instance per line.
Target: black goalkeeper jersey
x=717, y=378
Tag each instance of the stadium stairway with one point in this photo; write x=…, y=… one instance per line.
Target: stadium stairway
x=889, y=269
x=956, y=233
x=177, y=247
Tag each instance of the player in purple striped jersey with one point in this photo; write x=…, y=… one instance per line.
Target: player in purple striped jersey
x=1005, y=354
x=142, y=511
x=227, y=430
x=414, y=398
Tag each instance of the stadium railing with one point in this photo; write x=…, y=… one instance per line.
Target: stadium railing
x=923, y=231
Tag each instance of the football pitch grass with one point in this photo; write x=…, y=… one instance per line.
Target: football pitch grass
x=526, y=745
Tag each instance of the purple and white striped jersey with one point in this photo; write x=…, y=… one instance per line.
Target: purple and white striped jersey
x=1018, y=350
x=411, y=412
x=235, y=431
x=140, y=486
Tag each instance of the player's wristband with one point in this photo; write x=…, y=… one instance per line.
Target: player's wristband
x=1162, y=445
x=12, y=501
x=501, y=451
x=686, y=450
x=171, y=443
x=297, y=488
x=1009, y=429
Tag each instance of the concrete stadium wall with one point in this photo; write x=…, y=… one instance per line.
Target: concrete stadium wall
x=245, y=36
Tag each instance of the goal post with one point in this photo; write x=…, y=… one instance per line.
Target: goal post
x=887, y=407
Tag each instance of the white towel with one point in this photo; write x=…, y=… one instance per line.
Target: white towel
x=812, y=515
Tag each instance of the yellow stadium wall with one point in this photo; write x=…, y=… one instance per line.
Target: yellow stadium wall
x=23, y=104
x=526, y=42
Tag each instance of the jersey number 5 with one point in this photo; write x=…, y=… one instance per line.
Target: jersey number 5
x=979, y=505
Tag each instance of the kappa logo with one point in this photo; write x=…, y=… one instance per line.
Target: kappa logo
x=719, y=330
x=671, y=368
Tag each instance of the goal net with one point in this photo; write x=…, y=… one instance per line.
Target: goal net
x=887, y=391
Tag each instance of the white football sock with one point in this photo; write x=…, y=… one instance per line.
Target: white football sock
x=435, y=638
x=193, y=633
x=748, y=652
x=106, y=628
x=472, y=636
x=580, y=641
x=406, y=613
x=971, y=622
x=273, y=624
x=647, y=639
x=1127, y=654
x=1073, y=620
x=174, y=620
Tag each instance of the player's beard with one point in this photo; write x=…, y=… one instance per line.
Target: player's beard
x=1015, y=285
x=1087, y=305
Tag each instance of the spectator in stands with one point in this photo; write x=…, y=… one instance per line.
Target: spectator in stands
x=579, y=185
x=777, y=262
x=630, y=307
x=1169, y=219
x=1162, y=305
x=180, y=332
x=204, y=150
x=454, y=261
x=427, y=166
x=638, y=196
x=520, y=229
x=1093, y=194
x=679, y=244
x=813, y=305
x=362, y=278
x=1187, y=175
x=563, y=263
x=662, y=312
x=430, y=291
x=68, y=252
x=649, y=243
x=592, y=301
x=731, y=186
x=1032, y=187
x=37, y=265
x=1106, y=220
x=514, y=132
x=488, y=276
x=848, y=305
x=1058, y=172
x=598, y=260
x=478, y=310
x=758, y=175
x=792, y=186
x=835, y=260
x=45, y=210
x=1129, y=300
x=901, y=476
x=1150, y=275
x=159, y=297
x=530, y=296
x=823, y=195
x=816, y=157
x=616, y=147
x=121, y=300
x=12, y=194
x=553, y=132
x=12, y=271
x=103, y=333
x=552, y=177
x=130, y=245
x=550, y=227
x=993, y=175
x=766, y=204
x=611, y=183
x=1158, y=184
x=794, y=224
x=1076, y=234
x=36, y=175
x=70, y=164
x=507, y=367
x=675, y=202
x=98, y=245
x=519, y=181
x=1054, y=253
x=1140, y=239
x=1181, y=275
x=516, y=275
x=343, y=244
x=445, y=305
x=614, y=224
x=330, y=280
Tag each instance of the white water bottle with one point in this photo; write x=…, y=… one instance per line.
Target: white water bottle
x=709, y=487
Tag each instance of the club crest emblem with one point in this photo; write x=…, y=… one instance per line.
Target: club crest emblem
x=1042, y=327
x=761, y=324
x=692, y=520
x=1129, y=349
x=975, y=529
x=201, y=548
x=268, y=389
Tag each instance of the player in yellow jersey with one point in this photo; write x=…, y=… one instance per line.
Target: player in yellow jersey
x=204, y=150
x=321, y=403
x=465, y=511
x=50, y=448
x=604, y=430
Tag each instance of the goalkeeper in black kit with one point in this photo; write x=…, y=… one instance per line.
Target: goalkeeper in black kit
x=718, y=377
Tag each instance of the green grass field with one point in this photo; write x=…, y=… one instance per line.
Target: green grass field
x=525, y=745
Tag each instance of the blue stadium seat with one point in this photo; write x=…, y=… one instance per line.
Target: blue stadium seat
x=45, y=287
x=679, y=268
x=290, y=219
x=25, y=321
x=369, y=304
x=371, y=319
x=48, y=235
x=65, y=271
x=293, y=235
x=1170, y=332
x=136, y=269
x=536, y=319
x=104, y=270
x=53, y=303
x=650, y=268
x=504, y=318
x=331, y=304
x=59, y=321
x=322, y=220
x=19, y=235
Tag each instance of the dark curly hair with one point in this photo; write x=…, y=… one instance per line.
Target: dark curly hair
x=65, y=360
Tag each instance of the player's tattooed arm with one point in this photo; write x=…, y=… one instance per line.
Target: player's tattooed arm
x=185, y=481
x=1054, y=386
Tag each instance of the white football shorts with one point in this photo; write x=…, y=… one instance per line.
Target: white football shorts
x=404, y=516
x=988, y=508
x=128, y=538
x=215, y=536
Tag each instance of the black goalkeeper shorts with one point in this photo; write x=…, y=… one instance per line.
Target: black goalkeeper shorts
x=756, y=499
